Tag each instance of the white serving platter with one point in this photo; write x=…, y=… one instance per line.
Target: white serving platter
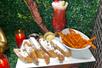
x=69, y=60
x=53, y=61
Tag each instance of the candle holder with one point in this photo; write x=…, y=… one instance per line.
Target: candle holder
x=20, y=36
x=59, y=20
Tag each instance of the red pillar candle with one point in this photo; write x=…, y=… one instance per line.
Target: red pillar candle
x=20, y=36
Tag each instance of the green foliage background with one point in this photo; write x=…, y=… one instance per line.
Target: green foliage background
x=14, y=14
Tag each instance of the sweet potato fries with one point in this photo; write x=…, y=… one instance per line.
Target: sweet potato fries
x=75, y=40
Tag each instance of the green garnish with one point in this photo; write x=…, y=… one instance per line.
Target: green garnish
x=64, y=3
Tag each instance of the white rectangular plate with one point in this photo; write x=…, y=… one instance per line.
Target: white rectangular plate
x=69, y=60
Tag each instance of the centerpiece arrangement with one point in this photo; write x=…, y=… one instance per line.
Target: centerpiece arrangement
x=53, y=48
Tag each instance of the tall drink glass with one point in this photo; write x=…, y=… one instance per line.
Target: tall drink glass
x=59, y=20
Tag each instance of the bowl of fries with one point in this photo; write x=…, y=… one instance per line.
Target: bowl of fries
x=77, y=42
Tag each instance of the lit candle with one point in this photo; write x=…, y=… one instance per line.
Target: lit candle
x=20, y=36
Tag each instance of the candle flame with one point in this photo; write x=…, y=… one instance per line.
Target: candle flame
x=20, y=35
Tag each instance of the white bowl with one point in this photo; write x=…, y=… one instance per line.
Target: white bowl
x=76, y=52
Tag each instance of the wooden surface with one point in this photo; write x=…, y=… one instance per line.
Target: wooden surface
x=98, y=42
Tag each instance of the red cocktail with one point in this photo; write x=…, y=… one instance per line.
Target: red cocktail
x=59, y=20
x=56, y=0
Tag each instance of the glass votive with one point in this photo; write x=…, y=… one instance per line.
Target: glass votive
x=20, y=36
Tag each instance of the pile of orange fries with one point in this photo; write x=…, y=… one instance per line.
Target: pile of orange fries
x=75, y=40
